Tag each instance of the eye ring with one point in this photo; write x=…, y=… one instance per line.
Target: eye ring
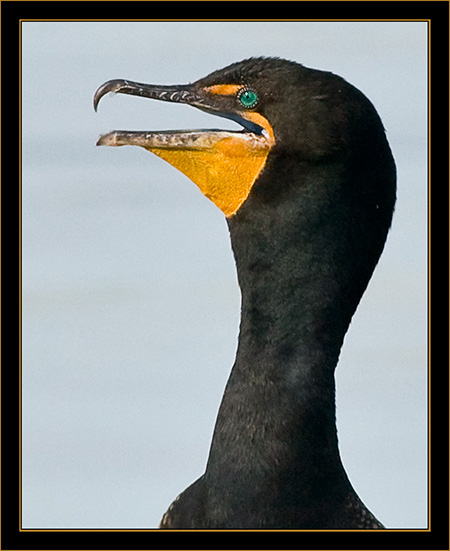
x=248, y=98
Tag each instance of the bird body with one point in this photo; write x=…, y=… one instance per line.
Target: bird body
x=307, y=228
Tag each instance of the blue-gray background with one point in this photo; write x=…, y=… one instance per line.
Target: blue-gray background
x=130, y=299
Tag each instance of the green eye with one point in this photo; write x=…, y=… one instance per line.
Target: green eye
x=247, y=98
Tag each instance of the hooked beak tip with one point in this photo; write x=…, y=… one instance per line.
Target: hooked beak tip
x=110, y=86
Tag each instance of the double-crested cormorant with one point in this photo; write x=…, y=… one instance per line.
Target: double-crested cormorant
x=308, y=189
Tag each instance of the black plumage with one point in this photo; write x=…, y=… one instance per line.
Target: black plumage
x=306, y=240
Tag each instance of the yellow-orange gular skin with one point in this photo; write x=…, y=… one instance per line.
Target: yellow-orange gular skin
x=224, y=173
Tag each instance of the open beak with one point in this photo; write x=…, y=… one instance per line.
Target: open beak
x=224, y=164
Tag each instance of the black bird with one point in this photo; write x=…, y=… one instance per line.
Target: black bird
x=308, y=189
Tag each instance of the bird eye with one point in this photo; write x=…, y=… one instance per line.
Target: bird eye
x=247, y=98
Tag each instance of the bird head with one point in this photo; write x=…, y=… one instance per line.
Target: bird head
x=282, y=106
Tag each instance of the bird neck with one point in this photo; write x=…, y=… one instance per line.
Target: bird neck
x=304, y=256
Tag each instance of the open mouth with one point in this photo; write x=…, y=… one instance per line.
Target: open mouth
x=223, y=163
x=197, y=139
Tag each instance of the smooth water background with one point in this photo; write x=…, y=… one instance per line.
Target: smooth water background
x=130, y=298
